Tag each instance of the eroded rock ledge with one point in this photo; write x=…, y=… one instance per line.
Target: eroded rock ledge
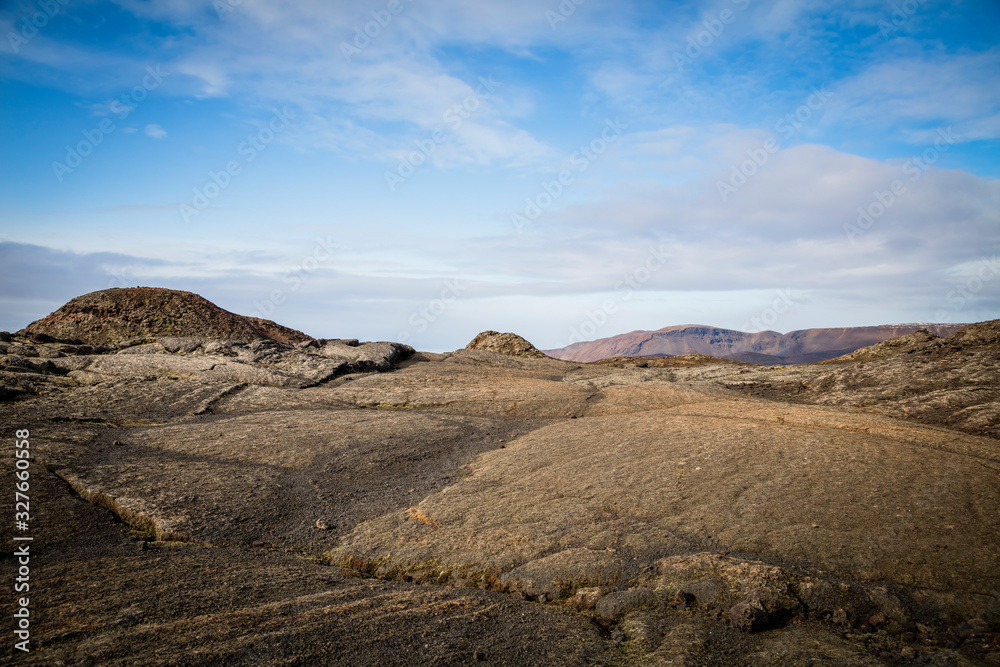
x=33, y=364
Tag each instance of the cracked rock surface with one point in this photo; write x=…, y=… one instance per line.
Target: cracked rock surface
x=951, y=381
x=333, y=502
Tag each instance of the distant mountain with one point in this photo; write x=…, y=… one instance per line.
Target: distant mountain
x=765, y=347
x=119, y=314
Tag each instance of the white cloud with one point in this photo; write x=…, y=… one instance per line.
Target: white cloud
x=793, y=221
x=910, y=92
x=656, y=185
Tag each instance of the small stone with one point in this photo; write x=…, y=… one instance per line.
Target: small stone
x=877, y=620
x=322, y=525
x=747, y=616
x=616, y=605
x=586, y=598
x=907, y=653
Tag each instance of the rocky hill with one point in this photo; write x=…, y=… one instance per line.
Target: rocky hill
x=765, y=347
x=924, y=342
x=119, y=314
x=505, y=343
x=951, y=381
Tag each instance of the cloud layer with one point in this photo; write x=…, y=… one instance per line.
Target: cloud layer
x=469, y=167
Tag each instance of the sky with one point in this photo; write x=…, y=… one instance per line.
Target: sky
x=567, y=170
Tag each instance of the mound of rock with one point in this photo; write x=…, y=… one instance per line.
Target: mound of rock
x=981, y=334
x=978, y=335
x=505, y=343
x=951, y=381
x=115, y=315
x=887, y=348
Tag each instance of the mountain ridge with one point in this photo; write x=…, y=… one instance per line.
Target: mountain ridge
x=764, y=347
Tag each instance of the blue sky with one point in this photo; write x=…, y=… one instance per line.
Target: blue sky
x=396, y=170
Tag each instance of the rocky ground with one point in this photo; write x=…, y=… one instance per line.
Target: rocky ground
x=951, y=381
x=198, y=501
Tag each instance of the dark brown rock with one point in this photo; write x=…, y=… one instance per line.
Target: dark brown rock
x=120, y=314
x=748, y=616
x=615, y=606
x=505, y=343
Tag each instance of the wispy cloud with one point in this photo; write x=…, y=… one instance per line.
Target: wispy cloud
x=906, y=94
x=700, y=87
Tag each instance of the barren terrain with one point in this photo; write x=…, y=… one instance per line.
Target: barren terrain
x=200, y=501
